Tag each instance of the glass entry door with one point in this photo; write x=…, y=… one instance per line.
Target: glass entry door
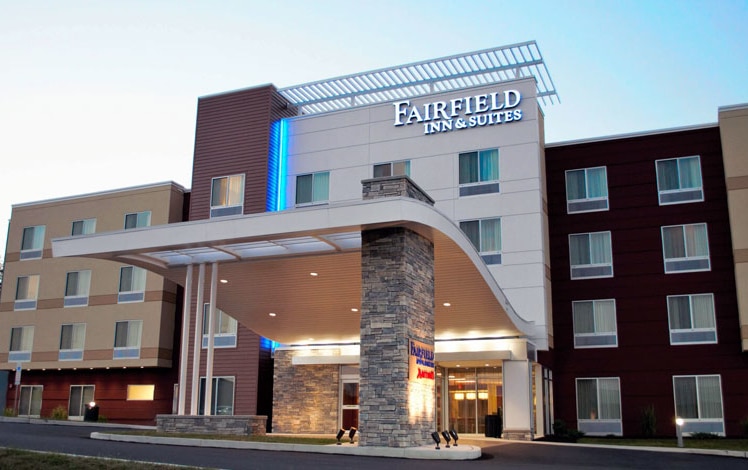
x=80, y=396
x=473, y=393
x=349, y=397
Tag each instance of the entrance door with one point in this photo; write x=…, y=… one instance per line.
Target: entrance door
x=31, y=400
x=80, y=395
x=349, y=397
x=473, y=393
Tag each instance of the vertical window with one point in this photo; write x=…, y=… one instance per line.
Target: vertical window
x=698, y=401
x=72, y=340
x=590, y=255
x=595, y=324
x=31, y=401
x=21, y=342
x=80, y=396
x=131, y=284
x=599, y=406
x=392, y=169
x=137, y=219
x=313, y=188
x=479, y=172
x=225, y=329
x=222, y=396
x=127, y=339
x=227, y=195
x=485, y=235
x=587, y=190
x=27, y=291
x=691, y=319
x=685, y=248
x=83, y=227
x=349, y=378
x=32, y=243
x=679, y=180
x=76, y=288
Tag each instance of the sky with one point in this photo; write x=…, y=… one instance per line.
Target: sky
x=99, y=95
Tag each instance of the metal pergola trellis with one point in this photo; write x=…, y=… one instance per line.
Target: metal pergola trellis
x=485, y=67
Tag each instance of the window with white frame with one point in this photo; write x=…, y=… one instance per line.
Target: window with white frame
x=137, y=219
x=222, y=396
x=83, y=227
x=479, y=172
x=72, y=340
x=224, y=329
x=691, y=318
x=595, y=323
x=127, y=339
x=31, y=401
x=586, y=190
x=685, y=248
x=27, y=291
x=77, y=286
x=227, y=195
x=401, y=168
x=679, y=180
x=131, y=284
x=21, y=342
x=698, y=401
x=599, y=406
x=80, y=396
x=590, y=255
x=313, y=188
x=32, y=242
x=485, y=235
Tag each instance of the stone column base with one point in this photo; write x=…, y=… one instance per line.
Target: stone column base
x=517, y=435
x=250, y=425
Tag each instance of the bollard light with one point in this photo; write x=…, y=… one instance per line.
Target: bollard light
x=436, y=438
x=679, y=430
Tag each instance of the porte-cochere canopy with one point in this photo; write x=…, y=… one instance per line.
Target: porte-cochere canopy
x=267, y=261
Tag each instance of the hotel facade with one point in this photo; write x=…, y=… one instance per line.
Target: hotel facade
x=401, y=252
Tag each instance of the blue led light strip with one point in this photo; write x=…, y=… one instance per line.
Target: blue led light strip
x=277, y=156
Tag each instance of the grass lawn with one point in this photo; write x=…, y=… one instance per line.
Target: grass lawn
x=25, y=460
x=717, y=444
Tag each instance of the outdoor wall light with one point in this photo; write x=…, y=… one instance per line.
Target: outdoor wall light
x=341, y=433
x=446, y=438
x=352, y=433
x=454, y=435
x=679, y=430
x=436, y=438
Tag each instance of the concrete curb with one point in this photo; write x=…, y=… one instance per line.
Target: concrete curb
x=60, y=422
x=676, y=450
x=462, y=452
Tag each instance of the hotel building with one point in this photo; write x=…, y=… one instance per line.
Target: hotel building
x=398, y=251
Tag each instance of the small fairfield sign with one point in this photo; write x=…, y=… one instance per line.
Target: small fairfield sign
x=420, y=361
x=488, y=109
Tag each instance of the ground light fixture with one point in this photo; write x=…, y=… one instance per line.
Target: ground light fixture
x=436, y=438
x=447, y=438
x=352, y=433
x=454, y=435
x=679, y=430
x=341, y=433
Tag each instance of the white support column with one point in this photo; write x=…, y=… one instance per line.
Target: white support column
x=198, y=343
x=517, y=400
x=211, y=333
x=539, y=400
x=183, y=356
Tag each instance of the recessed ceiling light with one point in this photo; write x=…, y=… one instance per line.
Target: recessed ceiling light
x=272, y=314
x=224, y=281
x=354, y=310
x=447, y=304
x=457, y=365
x=314, y=274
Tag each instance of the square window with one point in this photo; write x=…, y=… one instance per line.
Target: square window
x=32, y=242
x=222, y=396
x=137, y=220
x=76, y=288
x=83, y=227
x=127, y=339
x=685, y=248
x=479, y=172
x=599, y=406
x=691, y=319
x=72, y=340
x=140, y=392
x=313, y=188
x=595, y=324
x=131, y=284
x=590, y=255
x=224, y=329
x=679, y=180
x=21, y=342
x=401, y=168
x=485, y=235
x=587, y=190
x=27, y=291
x=698, y=401
x=227, y=196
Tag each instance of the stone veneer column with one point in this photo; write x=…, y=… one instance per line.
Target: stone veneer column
x=397, y=304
